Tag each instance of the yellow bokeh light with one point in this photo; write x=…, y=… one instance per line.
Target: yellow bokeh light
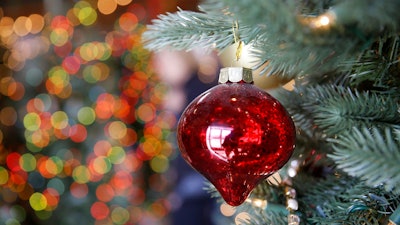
x=151, y=146
x=32, y=121
x=40, y=138
x=37, y=23
x=54, y=165
x=38, y=201
x=120, y=215
x=87, y=16
x=124, y=2
x=159, y=164
x=58, y=76
x=94, y=51
x=117, y=130
x=59, y=120
x=107, y=6
x=6, y=26
x=81, y=174
x=101, y=165
x=3, y=175
x=22, y=26
x=59, y=36
x=146, y=112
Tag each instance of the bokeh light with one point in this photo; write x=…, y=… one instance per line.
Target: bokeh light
x=3, y=175
x=99, y=210
x=107, y=6
x=27, y=162
x=119, y=215
x=37, y=22
x=8, y=116
x=38, y=201
x=83, y=131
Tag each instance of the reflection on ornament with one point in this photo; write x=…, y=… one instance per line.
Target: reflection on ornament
x=236, y=135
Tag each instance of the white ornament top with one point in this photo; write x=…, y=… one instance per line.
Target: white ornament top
x=235, y=74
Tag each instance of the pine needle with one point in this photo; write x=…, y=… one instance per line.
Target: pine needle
x=370, y=155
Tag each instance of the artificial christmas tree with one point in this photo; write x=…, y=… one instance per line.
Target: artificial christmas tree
x=344, y=59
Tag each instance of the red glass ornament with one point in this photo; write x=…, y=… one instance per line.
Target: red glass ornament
x=236, y=135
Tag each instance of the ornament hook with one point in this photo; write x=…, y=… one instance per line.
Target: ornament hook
x=236, y=37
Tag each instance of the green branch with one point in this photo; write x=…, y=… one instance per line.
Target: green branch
x=370, y=155
x=186, y=30
x=339, y=199
x=333, y=109
x=341, y=109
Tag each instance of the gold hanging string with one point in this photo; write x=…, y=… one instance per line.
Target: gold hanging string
x=236, y=37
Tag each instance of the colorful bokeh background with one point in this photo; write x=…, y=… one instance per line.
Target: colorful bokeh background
x=85, y=134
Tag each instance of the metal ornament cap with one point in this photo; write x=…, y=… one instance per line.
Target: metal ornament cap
x=235, y=75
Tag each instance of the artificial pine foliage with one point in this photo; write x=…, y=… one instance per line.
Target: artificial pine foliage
x=344, y=58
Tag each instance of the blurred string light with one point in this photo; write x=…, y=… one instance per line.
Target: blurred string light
x=92, y=138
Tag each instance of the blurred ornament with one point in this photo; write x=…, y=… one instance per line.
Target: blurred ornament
x=249, y=60
x=293, y=219
x=236, y=135
x=291, y=202
x=394, y=219
x=322, y=23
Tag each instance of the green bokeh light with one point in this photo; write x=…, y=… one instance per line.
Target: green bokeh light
x=59, y=119
x=18, y=212
x=159, y=164
x=57, y=184
x=86, y=115
x=27, y=162
x=92, y=74
x=119, y=215
x=116, y=155
x=32, y=121
x=87, y=16
x=81, y=174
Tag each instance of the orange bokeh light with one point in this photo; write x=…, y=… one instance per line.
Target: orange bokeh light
x=99, y=210
x=79, y=190
x=78, y=133
x=105, y=192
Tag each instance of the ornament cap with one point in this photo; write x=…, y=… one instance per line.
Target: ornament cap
x=235, y=75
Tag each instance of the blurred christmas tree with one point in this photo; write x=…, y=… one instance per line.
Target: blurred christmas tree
x=343, y=57
x=83, y=135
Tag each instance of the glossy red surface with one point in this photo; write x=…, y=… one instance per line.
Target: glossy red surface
x=236, y=135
